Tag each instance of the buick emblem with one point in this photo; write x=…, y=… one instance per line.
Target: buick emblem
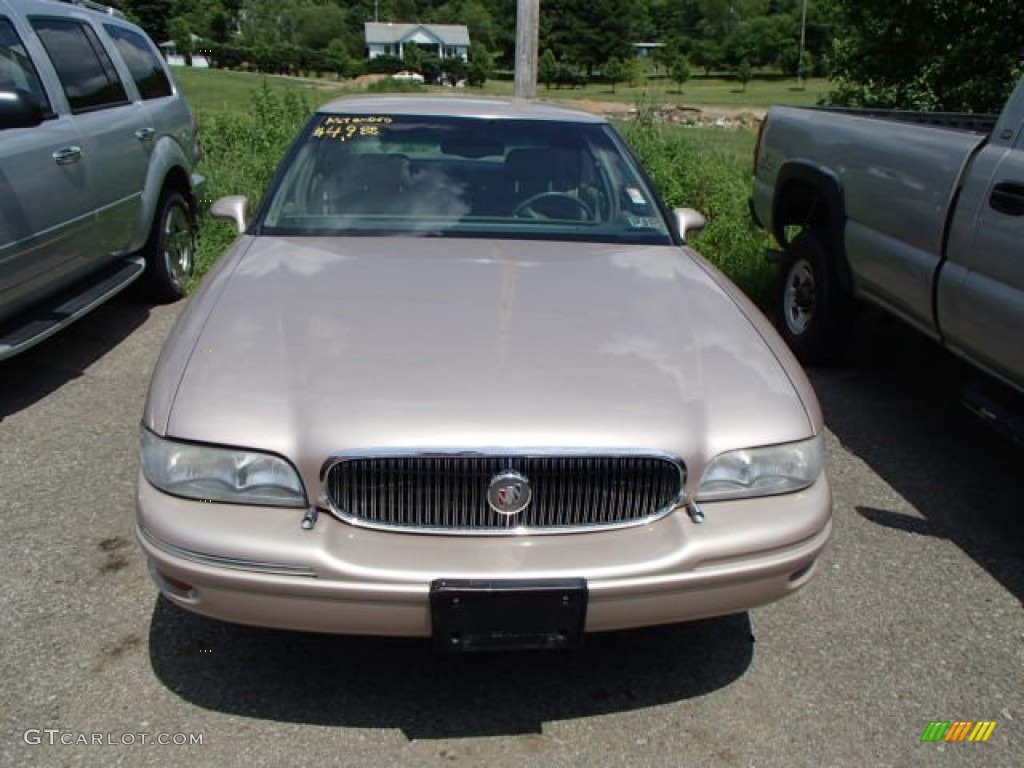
x=509, y=493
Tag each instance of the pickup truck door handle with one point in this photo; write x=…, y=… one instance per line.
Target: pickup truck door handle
x=1008, y=197
x=67, y=155
x=144, y=134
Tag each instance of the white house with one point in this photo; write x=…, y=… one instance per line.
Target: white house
x=175, y=59
x=388, y=39
x=643, y=50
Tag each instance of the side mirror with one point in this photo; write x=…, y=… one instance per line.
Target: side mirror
x=19, y=110
x=231, y=208
x=688, y=220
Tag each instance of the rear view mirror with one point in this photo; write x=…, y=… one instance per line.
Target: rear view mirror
x=464, y=145
x=19, y=110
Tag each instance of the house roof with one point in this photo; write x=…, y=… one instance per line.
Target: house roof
x=387, y=32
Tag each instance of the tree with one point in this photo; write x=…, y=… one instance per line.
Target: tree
x=612, y=71
x=547, y=68
x=587, y=33
x=744, y=73
x=181, y=34
x=413, y=57
x=928, y=54
x=316, y=26
x=679, y=71
x=763, y=41
x=480, y=65
x=153, y=16
x=634, y=72
x=338, y=58
x=707, y=55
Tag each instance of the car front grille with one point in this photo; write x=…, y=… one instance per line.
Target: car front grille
x=441, y=493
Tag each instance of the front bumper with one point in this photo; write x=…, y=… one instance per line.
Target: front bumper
x=258, y=566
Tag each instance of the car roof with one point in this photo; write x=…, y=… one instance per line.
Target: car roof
x=456, y=107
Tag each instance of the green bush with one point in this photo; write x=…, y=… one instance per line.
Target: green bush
x=691, y=174
x=240, y=155
x=390, y=85
x=385, y=65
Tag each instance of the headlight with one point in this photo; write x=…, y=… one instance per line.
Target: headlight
x=764, y=471
x=208, y=473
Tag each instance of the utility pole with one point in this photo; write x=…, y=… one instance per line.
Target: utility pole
x=800, y=59
x=527, y=26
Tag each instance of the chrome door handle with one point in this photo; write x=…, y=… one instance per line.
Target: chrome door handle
x=144, y=134
x=67, y=155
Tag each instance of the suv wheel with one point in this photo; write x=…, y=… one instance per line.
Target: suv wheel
x=171, y=249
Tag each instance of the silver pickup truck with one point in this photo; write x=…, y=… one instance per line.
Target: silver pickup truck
x=97, y=167
x=921, y=214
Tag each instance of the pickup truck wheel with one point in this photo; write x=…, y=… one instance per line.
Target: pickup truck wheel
x=171, y=249
x=812, y=303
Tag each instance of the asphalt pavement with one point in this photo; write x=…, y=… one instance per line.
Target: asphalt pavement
x=915, y=615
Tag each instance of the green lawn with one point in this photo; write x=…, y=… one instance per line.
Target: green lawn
x=707, y=92
x=211, y=90
x=224, y=91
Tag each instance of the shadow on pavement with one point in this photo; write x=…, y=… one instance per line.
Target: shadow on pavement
x=895, y=403
x=399, y=683
x=31, y=376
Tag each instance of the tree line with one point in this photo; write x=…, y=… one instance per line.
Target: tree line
x=934, y=54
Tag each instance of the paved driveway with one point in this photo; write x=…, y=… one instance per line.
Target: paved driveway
x=915, y=616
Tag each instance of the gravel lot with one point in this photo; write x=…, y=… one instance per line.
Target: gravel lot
x=915, y=616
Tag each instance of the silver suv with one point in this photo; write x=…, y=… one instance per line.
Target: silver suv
x=97, y=167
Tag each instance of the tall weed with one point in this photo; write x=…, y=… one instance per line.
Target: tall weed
x=240, y=154
x=692, y=174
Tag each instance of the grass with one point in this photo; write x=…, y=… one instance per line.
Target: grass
x=215, y=90
x=707, y=92
x=709, y=169
x=248, y=121
x=218, y=91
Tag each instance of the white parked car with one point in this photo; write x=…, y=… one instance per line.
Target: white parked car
x=412, y=77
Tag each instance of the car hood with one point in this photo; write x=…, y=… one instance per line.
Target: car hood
x=311, y=347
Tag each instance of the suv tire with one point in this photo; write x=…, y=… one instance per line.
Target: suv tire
x=171, y=249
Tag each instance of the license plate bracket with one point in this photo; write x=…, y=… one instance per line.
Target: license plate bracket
x=507, y=614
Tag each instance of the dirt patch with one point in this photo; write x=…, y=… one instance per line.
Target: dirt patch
x=720, y=117
x=363, y=80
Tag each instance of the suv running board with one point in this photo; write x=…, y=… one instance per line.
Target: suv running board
x=1003, y=411
x=44, y=320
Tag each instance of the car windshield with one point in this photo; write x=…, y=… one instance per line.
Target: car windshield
x=378, y=174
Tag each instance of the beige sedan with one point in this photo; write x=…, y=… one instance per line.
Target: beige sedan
x=461, y=378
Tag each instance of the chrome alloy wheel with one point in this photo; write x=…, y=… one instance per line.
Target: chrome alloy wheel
x=799, y=299
x=178, y=243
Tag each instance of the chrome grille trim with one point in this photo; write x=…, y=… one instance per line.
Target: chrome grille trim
x=445, y=492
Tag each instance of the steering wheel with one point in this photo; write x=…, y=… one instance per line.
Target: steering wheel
x=554, y=205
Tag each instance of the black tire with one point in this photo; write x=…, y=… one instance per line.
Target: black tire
x=171, y=249
x=813, y=308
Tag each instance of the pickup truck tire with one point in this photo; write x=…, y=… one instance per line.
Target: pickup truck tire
x=171, y=249
x=812, y=304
